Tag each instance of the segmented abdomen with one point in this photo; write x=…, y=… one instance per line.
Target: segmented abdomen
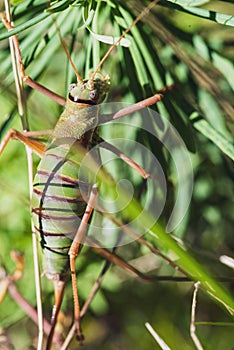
x=57, y=206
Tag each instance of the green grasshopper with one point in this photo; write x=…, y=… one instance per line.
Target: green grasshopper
x=60, y=210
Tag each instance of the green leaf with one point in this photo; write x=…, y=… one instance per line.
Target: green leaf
x=221, y=18
x=212, y=134
x=189, y=3
x=225, y=66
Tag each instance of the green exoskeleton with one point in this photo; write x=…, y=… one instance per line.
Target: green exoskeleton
x=58, y=205
x=56, y=195
x=60, y=210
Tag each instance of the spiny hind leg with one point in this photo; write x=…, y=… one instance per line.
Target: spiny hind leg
x=111, y=257
x=27, y=80
x=59, y=286
x=73, y=253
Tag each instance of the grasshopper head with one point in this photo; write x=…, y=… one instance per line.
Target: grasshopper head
x=90, y=92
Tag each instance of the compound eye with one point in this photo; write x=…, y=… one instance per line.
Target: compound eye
x=93, y=95
x=72, y=86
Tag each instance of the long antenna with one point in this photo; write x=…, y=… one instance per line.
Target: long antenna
x=67, y=52
x=136, y=20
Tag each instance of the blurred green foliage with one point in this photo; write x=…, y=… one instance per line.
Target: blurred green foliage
x=170, y=45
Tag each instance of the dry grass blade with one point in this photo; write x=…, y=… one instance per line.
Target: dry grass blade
x=193, y=318
x=157, y=338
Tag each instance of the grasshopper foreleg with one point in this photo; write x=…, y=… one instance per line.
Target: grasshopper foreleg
x=26, y=138
x=27, y=80
x=106, y=145
x=131, y=109
x=137, y=106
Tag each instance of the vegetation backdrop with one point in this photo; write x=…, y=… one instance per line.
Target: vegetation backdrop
x=187, y=43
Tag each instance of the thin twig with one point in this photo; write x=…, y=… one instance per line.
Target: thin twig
x=30, y=311
x=17, y=70
x=193, y=317
x=8, y=281
x=157, y=338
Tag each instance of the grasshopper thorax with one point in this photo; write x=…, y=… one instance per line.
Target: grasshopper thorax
x=81, y=110
x=91, y=92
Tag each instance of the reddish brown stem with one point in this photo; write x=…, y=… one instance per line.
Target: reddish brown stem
x=30, y=311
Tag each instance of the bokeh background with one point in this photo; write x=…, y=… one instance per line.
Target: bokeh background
x=189, y=43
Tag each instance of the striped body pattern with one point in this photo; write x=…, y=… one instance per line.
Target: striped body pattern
x=58, y=206
x=58, y=203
